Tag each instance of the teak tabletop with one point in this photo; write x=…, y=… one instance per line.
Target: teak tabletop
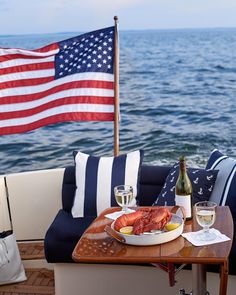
x=96, y=246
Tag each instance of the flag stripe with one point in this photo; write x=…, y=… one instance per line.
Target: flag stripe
x=59, y=102
x=15, y=53
x=56, y=119
x=71, y=108
x=25, y=82
x=23, y=61
x=93, y=88
x=71, y=78
x=27, y=67
x=27, y=75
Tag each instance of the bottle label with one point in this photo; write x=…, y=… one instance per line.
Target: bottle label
x=184, y=201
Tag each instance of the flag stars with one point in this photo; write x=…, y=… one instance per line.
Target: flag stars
x=90, y=53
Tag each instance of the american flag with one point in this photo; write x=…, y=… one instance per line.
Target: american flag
x=71, y=80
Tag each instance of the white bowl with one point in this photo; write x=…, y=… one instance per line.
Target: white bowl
x=148, y=239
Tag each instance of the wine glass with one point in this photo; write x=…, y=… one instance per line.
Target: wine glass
x=205, y=216
x=124, y=196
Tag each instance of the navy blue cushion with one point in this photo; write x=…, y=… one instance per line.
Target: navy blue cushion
x=63, y=235
x=68, y=188
x=202, y=182
x=225, y=187
x=96, y=178
x=151, y=182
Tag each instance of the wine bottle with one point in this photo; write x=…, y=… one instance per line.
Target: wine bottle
x=183, y=189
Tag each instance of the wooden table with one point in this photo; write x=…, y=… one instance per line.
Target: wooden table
x=96, y=246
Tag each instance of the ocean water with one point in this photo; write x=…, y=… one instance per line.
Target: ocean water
x=177, y=96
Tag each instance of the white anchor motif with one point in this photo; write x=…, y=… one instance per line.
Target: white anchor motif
x=196, y=180
x=164, y=186
x=195, y=171
x=173, y=172
x=172, y=179
x=210, y=188
x=172, y=189
x=163, y=195
x=200, y=191
x=209, y=177
x=177, y=165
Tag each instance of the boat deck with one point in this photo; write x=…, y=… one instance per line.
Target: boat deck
x=39, y=280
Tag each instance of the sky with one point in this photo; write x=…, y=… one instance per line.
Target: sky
x=52, y=16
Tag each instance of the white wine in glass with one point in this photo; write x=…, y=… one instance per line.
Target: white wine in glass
x=124, y=196
x=205, y=216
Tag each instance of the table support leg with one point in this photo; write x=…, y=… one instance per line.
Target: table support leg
x=223, y=278
x=199, y=279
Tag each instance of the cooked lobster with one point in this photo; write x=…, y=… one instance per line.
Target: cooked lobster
x=144, y=220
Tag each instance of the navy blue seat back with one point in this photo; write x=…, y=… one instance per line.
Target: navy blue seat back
x=152, y=179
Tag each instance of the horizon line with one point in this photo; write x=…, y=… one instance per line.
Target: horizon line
x=124, y=30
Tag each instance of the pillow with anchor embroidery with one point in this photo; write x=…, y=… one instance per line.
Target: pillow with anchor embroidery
x=202, y=183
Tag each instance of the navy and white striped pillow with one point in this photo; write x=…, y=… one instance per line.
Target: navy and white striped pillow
x=224, y=192
x=96, y=178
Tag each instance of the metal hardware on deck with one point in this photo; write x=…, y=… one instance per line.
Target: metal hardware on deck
x=182, y=292
x=199, y=279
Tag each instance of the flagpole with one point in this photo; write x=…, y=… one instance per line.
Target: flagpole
x=116, y=89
